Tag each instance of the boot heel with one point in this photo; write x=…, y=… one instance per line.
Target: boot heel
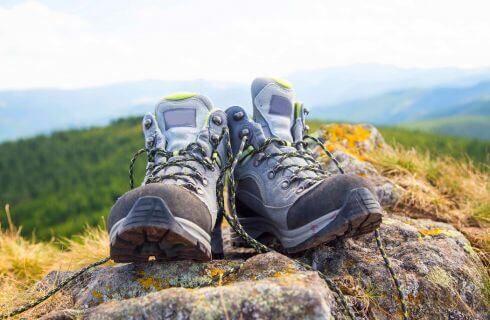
x=150, y=230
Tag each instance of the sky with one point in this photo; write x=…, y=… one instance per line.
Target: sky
x=71, y=44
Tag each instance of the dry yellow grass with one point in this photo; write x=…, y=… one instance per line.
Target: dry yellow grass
x=439, y=188
x=23, y=262
x=442, y=189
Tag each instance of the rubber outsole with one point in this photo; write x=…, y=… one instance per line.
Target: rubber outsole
x=360, y=214
x=150, y=230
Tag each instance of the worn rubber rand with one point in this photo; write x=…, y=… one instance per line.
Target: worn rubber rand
x=150, y=230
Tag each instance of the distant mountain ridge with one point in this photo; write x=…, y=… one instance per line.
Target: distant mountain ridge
x=461, y=111
x=411, y=105
x=26, y=113
x=29, y=112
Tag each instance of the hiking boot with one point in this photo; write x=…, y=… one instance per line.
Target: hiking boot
x=171, y=216
x=282, y=191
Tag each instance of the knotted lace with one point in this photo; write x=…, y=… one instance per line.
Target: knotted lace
x=298, y=169
x=182, y=159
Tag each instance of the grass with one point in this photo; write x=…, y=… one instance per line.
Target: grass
x=460, y=125
x=478, y=151
x=23, y=262
x=440, y=188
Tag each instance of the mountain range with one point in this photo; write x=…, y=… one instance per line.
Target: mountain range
x=459, y=111
x=380, y=94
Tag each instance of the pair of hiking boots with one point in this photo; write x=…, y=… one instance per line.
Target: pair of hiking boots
x=195, y=152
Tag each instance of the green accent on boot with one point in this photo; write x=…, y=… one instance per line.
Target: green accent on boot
x=180, y=96
x=216, y=158
x=246, y=153
x=297, y=109
x=283, y=83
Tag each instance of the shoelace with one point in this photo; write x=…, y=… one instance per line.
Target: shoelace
x=192, y=153
x=301, y=152
x=232, y=219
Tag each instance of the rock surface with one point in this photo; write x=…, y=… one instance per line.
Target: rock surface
x=440, y=274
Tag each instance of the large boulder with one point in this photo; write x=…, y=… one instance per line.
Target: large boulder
x=441, y=278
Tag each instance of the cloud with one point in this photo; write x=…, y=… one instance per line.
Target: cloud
x=45, y=45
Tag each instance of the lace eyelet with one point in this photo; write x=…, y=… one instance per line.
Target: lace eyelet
x=285, y=184
x=300, y=189
x=204, y=182
x=271, y=175
x=217, y=120
x=244, y=132
x=148, y=123
x=215, y=139
x=238, y=115
x=149, y=142
x=200, y=191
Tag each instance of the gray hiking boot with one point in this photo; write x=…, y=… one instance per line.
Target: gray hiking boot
x=282, y=191
x=172, y=215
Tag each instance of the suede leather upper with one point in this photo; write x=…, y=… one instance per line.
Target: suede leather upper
x=267, y=194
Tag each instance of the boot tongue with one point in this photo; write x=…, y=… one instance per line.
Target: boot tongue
x=180, y=117
x=273, y=107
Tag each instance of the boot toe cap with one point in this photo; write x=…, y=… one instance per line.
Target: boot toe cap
x=326, y=197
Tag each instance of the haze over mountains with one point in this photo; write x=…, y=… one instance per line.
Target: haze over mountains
x=444, y=100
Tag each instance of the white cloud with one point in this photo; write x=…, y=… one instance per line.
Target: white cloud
x=224, y=40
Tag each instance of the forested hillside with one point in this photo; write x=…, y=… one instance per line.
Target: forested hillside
x=57, y=184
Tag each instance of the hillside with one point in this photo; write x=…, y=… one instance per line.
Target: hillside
x=61, y=182
x=458, y=111
x=471, y=126
x=56, y=184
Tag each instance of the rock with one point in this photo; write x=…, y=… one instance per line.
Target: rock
x=358, y=139
x=266, y=286
x=136, y=280
x=440, y=275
